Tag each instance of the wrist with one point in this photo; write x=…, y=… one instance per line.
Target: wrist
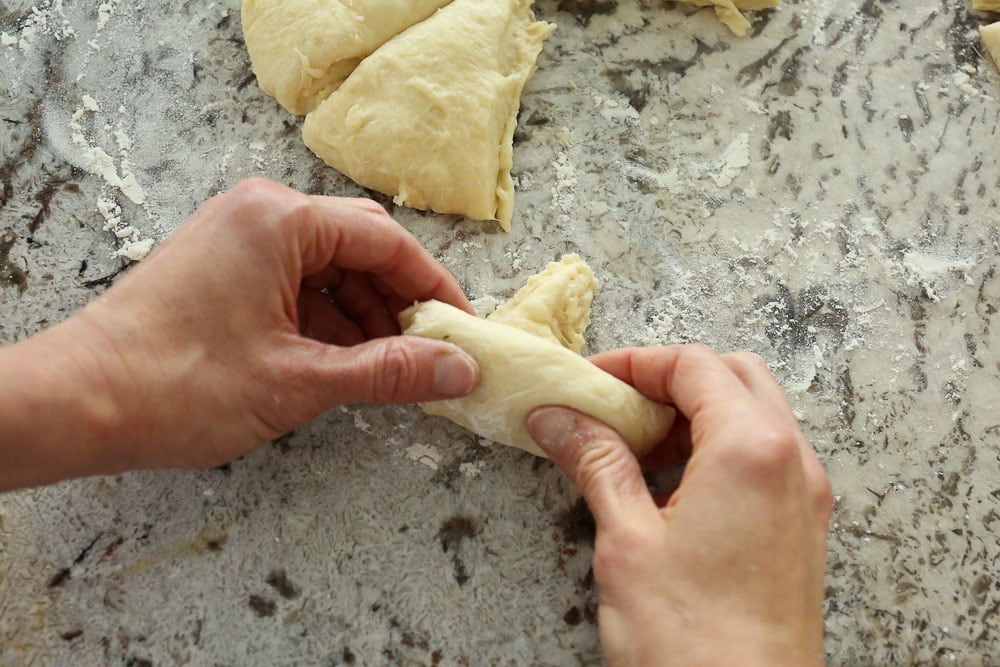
x=59, y=417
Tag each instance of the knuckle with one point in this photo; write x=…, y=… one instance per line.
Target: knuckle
x=253, y=188
x=600, y=462
x=398, y=372
x=772, y=450
x=748, y=360
x=698, y=351
x=373, y=207
x=624, y=547
x=821, y=491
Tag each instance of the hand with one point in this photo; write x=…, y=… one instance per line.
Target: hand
x=730, y=571
x=264, y=309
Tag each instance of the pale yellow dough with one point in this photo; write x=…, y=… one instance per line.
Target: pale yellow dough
x=553, y=304
x=430, y=116
x=729, y=13
x=523, y=365
x=991, y=38
x=302, y=50
x=986, y=5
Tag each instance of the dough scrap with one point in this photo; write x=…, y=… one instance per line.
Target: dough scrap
x=430, y=116
x=521, y=370
x=728, y=11
x=986, y=5
x=991, y=38
x=302, y=50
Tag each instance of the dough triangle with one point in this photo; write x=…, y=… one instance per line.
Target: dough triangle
x=303, y=50
x=429, y=117
x=553, y=304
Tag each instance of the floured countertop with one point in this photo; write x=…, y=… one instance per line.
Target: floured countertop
x=823, y=192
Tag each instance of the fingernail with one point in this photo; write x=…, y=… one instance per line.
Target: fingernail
x=551, y=429
x=455, y=374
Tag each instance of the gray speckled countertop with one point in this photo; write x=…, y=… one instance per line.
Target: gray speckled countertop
x=823, y=192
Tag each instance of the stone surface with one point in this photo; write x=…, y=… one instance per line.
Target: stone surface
x=821, y=192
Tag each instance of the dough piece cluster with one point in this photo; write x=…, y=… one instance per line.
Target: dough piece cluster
x=303, y=50
x=522, y=366
x=417, y=99
x=729, y=12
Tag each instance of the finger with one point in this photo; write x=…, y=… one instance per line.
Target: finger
x=597, y=459
x=360, y=236
x=320, y=320
x=754, y=373
x=357, y=299
x=691, y=377
x=400, y=369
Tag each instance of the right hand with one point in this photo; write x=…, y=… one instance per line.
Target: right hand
x=730, y=571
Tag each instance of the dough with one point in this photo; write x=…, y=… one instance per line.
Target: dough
x=520, y=371
x=991, y=38
x=986, y=5
x=430, y=116
x=554, y=304
x=728, y=11
x=302, y=50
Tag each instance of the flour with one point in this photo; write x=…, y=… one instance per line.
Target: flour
x=424, y=454
x=735, y=159
x=472, y=469
x=923, y=270
x=612, y=109
x=136, y=250
x=564, y=189
x=98, y=162
x=46, y=18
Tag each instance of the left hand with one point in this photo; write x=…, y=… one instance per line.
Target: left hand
x=264, y=309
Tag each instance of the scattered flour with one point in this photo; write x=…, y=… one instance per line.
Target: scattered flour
x=46, y=18
x=735, y=159
x=472, y=469
x=923, y=270
x=424, y=454
x=98, y=162
x=564, y=189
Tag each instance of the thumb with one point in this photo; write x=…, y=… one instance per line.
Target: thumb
x=396, y=369
x=596, y=458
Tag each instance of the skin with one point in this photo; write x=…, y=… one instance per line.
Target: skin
x=223, y=338
x=729, y=568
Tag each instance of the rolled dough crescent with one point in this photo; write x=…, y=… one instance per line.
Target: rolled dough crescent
x=523, y=366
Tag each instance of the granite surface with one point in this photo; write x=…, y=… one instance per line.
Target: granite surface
x=820, y=192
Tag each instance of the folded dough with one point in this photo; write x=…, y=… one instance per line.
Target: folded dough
x=986, y=5
x=524, y=368
x=429, y=117
x=554, y=304
x=302, y=50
